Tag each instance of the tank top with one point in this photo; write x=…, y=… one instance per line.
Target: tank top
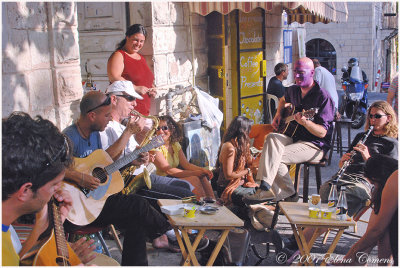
x=139, y=73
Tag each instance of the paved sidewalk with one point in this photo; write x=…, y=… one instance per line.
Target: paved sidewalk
x=166, y=258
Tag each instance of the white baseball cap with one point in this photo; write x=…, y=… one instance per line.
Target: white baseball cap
x=123, y=86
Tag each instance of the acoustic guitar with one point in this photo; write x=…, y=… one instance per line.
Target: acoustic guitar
x=56, y=251
x=87, y=203
x=288, y=125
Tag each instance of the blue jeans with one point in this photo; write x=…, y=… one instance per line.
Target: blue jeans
x=165, y=188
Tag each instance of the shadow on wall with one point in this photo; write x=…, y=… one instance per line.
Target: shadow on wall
x=29, y=59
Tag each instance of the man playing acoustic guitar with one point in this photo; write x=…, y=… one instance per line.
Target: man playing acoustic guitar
x=309, y=141
x=130, y=212
x=35, y=156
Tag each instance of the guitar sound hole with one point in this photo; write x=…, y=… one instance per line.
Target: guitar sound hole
x=100, y=174
x=62, y=262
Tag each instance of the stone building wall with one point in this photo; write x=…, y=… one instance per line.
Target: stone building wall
x=40, y=71
x=355, y=38
x=274, y=43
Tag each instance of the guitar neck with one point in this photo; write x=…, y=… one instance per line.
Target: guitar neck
x=130, y=157
x=61, y=242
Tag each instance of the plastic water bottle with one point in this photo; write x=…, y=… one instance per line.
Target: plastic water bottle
x=333, y=198
x=341, y=211
x=97, y=243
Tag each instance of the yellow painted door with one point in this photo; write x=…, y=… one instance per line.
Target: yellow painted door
x=248, y=65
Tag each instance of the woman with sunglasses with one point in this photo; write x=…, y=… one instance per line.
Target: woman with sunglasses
x=382, y=141
x=171, y=161
x=127, y=64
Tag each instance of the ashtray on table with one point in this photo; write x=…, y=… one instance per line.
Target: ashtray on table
x=208, y=210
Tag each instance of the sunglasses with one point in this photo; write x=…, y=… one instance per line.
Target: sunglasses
x=163, y=128
x=106, y=102
x=127, y=97
x=376, y=116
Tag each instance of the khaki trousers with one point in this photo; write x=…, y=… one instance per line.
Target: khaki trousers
x=278, y=152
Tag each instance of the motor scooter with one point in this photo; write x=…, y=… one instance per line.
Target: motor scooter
x=355, y=98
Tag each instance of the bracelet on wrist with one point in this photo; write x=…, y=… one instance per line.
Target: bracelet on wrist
x=248, y=170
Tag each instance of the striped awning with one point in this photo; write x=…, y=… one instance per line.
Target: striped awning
x=314, y=12
x=204, y=8
x=297, y=11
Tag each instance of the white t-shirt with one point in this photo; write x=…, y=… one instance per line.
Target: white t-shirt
x=112, y=133
x=15, y=240
x=327, y=81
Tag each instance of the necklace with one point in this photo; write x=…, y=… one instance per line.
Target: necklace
x=378, y=135
x=83, y=133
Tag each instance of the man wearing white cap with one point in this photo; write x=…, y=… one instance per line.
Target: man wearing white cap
x=122, y=102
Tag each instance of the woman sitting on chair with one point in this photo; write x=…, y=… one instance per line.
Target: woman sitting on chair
x=382, y=230
x=169, y=156
x=235, y=178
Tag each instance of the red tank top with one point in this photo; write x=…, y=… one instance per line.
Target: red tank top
x=139, y=73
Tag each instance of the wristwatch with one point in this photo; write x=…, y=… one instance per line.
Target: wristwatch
x=248, y=170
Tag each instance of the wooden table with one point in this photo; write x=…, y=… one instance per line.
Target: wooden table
x=297, y=214
x=223, y=220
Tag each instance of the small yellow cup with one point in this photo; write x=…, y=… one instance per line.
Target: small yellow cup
x=326, y=214
x=189, y=212
x=313, y=213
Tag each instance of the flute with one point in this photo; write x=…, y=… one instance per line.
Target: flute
x=341, y=171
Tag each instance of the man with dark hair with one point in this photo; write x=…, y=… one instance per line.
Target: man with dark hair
x=35, y=156
x=275, y=86
x=130, y=212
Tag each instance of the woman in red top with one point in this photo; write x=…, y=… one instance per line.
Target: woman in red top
x=127, y=64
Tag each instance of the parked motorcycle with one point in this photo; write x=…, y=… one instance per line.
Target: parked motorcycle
x=355, y=99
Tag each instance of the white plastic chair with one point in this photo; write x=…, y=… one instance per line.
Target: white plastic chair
x=275, y=99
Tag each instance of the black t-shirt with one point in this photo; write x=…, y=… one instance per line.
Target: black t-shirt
x=376, y=145
x=275, y=87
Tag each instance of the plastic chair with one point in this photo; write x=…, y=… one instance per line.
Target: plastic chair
x=275, y=99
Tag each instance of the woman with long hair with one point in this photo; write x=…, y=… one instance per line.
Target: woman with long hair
x=235, y=178
x=127, y=64
x=171, y=161
x=382, y=172
x=382, y=141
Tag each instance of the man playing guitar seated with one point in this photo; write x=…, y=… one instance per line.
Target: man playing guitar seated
x=308, y=142
x=130, y=212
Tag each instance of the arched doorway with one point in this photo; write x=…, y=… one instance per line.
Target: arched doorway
x=323, y=51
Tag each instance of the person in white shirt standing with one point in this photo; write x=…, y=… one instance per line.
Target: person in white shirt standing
x=326, y=80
